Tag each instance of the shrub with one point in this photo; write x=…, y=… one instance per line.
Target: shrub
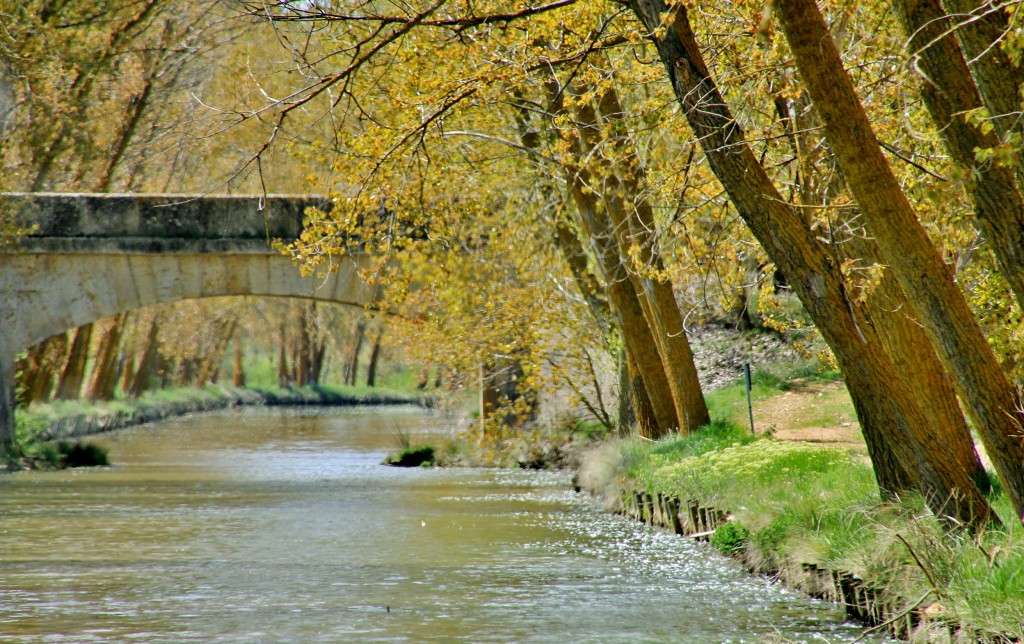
x=412, y=457
x=730, y=538
x=83, y=455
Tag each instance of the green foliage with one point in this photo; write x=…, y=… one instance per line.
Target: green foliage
x=83, y=454
x=62, y=454
x=587, y=430
x=412, y=457
x=730, y=538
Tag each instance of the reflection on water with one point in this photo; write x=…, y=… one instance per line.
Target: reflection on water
x=280, y=525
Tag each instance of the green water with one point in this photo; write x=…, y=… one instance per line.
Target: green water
x=281, y=526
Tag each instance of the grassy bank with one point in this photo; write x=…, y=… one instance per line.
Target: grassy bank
x=792, y=503
x=39, y=428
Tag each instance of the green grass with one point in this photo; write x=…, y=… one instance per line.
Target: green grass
x=795, y=502
x=729, y=403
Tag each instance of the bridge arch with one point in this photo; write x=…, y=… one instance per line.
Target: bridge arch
x=92, y=256
x=56, y=292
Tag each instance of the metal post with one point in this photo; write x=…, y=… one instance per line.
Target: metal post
x=750, y=404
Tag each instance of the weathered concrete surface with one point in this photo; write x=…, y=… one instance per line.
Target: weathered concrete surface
x=158, y=223
x=92, y=256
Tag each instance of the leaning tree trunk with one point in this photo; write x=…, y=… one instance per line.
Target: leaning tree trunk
x=71, y=378
x=913, y=357
x=209, y=366
x=149, y=364
x=903, y=338
x=637, y=335
x=990, y=399
x=950, y=94
x=981, y=28
x=881, y=398
x=632, y=222
x=104, y=372
x=634, y=406
x=28, y=368
x=44, y=360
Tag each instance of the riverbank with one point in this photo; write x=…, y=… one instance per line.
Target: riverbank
x=810, y=516
x=40, y=425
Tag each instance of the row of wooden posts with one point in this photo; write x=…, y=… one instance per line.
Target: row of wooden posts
x=861, y=601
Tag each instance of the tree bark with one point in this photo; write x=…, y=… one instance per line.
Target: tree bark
x=43, y=362
x=949, y=93
x=919, y=367
x=980, y=28
x=69, y=386
x=352, y=364
x=237, y=366
x=209, y=366
x=880, y=397
x=7, y=402
x=622, y=293
x=283, y=373
x=371, y=367
x=902, y=336
x=632, y=223
x=104, y=372
x=630, y=411
x=990, y=398
x=149, y=364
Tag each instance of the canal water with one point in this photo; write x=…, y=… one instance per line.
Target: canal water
x=280, y=525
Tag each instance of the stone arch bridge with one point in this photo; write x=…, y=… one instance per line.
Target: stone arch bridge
x=94, y=255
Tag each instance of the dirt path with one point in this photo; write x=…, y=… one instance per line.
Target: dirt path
x=812, y=412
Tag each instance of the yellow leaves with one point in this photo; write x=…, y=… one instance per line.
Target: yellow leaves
x=861, y=279
x=981, y=119
x=1006, y=154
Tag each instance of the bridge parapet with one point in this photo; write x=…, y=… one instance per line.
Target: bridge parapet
x=116, y=223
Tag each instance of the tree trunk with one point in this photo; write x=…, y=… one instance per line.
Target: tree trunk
x=371, y=367
x=317, y=346
x=633, y=221
x=630, y=221
x=7, y=402
x=981, y=28
x=128, y=371
x=27, y=370
x=881, y=398
x=622, y=293
x=901, y=335
x=70, y=385
x=149, y=365
x=283, y=372
x=104, y=372
x=949, y=94
x=209, y=366
x=630, y=412
x=352, y=364
x=238, y=370
x=43, y=362
x=925, y=280
x=919, y=366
